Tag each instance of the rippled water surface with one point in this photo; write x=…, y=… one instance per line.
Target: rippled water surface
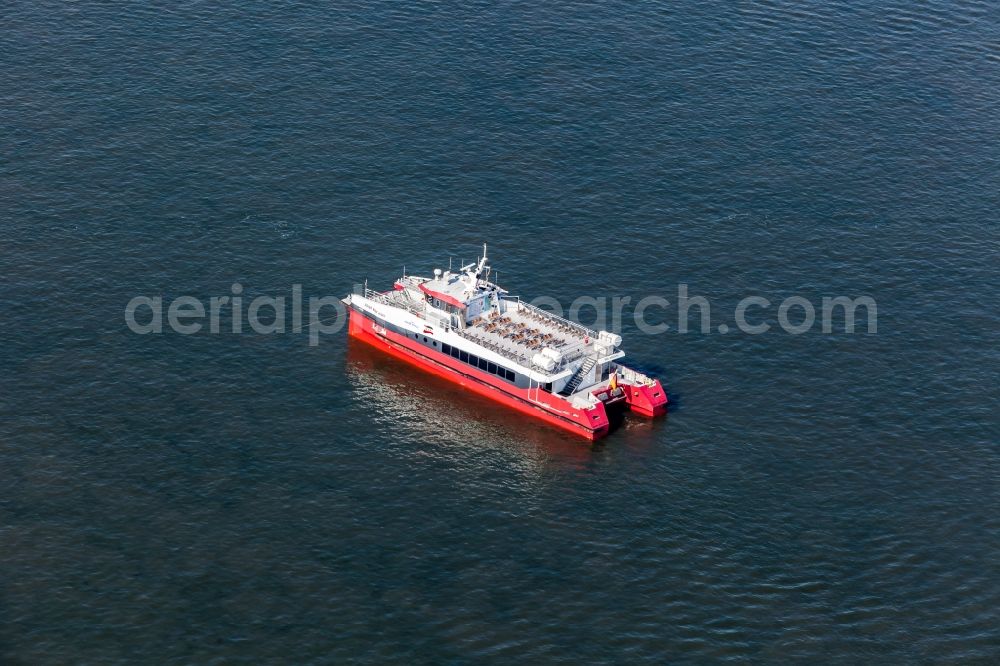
x=248, y=498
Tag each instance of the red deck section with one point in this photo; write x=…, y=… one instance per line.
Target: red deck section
x=590, y=423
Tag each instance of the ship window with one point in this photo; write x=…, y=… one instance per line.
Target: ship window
x=464, y=356
x=435, y=343
x=473, y=360
x=454, y=352
x=425, y=338
x=483, y=364
x=492, y=368
x=446, y=349
x=510, y=374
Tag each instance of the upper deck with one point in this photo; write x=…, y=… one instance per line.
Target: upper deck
x=510, y=327
x=519, y=330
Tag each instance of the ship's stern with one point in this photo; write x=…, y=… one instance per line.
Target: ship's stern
x=647, y=399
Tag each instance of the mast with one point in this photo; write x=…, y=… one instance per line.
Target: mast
x=480, y=269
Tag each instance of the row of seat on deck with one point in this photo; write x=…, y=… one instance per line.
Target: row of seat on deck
x=519, y=332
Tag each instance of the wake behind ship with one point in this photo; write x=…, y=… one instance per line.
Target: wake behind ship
x=467, y=329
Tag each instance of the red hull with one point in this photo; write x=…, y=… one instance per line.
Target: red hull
x=590, y=423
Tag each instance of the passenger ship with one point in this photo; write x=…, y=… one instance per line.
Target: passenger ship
x=463, y=327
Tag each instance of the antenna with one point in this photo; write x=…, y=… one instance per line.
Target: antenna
x=484, y=250
x=449, y=264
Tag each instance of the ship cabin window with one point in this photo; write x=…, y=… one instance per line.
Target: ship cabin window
x=480, y=363
x=425, y=338
x=547, y=387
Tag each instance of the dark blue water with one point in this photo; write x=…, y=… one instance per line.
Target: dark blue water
x=249, y=498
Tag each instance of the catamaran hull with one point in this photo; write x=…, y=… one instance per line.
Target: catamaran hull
x=590, y=423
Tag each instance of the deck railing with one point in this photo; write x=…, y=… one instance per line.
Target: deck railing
x=390, y=298
x=570, y=354
x=634, y=377
x=411, y=281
